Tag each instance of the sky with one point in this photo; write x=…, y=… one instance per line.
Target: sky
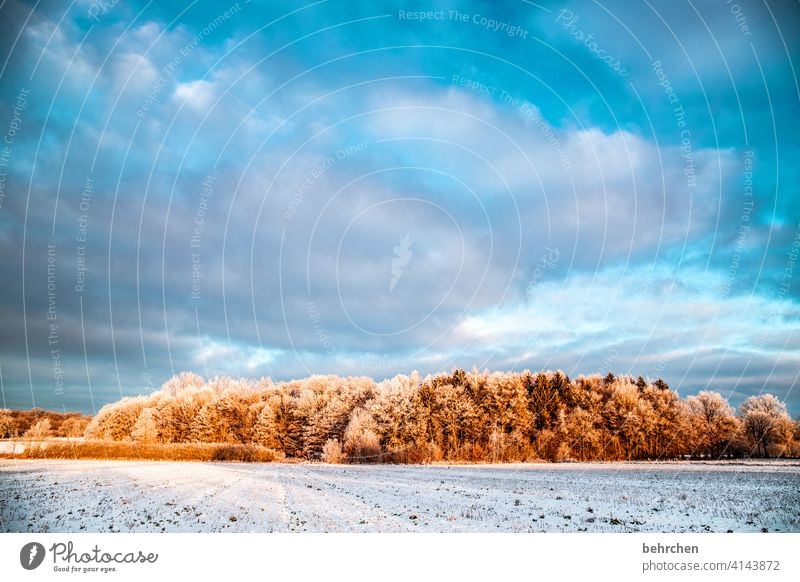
x=287, y=188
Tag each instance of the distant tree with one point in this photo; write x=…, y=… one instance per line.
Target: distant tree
x=581, y=435
x=505, y=415
x=661, y=385
x=396, y=410
x=665, y=423
x=714, y=424
x=181, y=382
x=627, y=417
x=39, y=430
x=288, y=425
x=795, y=445
x=74, y=427
x=327, y=415
x=323, y=407
x=361, y=441
x=115, y=421
x=145, y=431
x=177, y=415
x=332, y=452
x=544, y=400
x=453, y=419
x=550, y=446
x=7, y=425
x=232, y=416
x=207, y=426
x=766, y=421
x=265, y=431
x=163, y=409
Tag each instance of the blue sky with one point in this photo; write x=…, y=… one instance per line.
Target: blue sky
x=282, y=189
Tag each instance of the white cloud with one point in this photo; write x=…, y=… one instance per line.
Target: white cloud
x=677, y=315
x=134, y=70
x=197, y=95
x=227, y=357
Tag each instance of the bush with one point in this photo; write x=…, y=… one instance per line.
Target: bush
x=412, y=455
x=332, y=452
x=244, y=454
x=550, y=448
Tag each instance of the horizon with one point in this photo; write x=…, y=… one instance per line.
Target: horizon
x=282, y=191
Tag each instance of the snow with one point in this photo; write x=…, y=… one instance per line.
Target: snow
x=132, y=496
x=11, y=447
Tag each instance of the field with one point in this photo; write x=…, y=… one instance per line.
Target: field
x=133, y=496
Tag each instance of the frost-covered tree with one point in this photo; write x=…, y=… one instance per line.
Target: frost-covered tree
x=332, y=452
x=41, y=429
x=278, y=425
x=265, y=430
x=208, y=427
x=181, y=382
x=361, y=441
x=115, y=421
x=766, y=421
x=665, y=421
x=451, y=416
x=627, y=418
x=7, y=425
x=180, y=412
x=74, y=427
x=505, y=416
x=582, y=436
x=713, y=424
x=395, y=410
x=145, y=430
x=545, y=392
x=232, y=415
x=327, y=415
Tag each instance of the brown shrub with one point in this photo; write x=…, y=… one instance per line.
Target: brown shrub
x=412, y=454
x=244, y=453
x=332, y=452
x=151, y=452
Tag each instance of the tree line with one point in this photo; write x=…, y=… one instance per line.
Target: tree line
x=40, y=423
x=457, y=416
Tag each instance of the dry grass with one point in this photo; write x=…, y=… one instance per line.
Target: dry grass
x=92, y=449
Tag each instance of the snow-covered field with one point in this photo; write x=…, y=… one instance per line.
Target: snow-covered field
x=73, y=496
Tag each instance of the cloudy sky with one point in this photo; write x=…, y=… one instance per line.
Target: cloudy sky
x=288, y=188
